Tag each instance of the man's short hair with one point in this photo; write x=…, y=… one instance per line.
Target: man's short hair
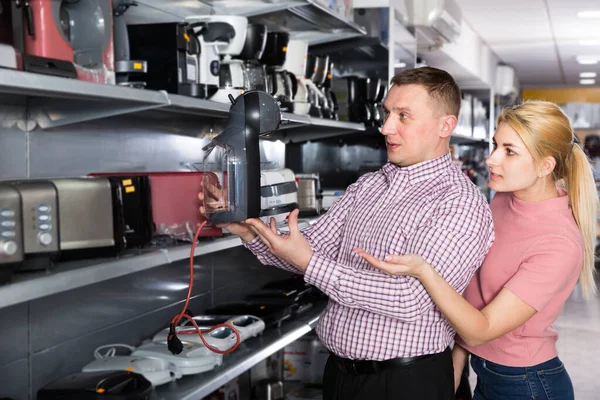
x=440, y=86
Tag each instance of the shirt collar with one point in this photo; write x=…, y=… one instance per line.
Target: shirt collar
x=419, y=172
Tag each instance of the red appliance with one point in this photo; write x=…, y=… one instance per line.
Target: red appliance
x=175, y=203
x=76, y=31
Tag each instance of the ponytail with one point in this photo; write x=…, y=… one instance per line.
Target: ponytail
x=583, y=197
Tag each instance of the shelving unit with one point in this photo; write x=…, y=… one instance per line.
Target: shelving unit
x=242, y=359
x=55, y=101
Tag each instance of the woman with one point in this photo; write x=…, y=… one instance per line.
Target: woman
x=545, y=220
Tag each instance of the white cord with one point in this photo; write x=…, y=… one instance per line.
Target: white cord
x=112, y=350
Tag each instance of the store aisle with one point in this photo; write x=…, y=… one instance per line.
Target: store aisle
x=579, y=330
x=578, y=347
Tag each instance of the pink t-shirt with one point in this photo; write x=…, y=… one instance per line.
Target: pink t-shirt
x=537, y=255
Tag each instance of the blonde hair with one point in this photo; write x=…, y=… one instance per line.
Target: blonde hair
x=547, y=132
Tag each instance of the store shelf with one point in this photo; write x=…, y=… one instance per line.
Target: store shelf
x=242, y=359
x=468, y=140
x=55, y=101
x=304, y=19
x=74, y=274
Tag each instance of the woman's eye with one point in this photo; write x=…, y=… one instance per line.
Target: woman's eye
x=510, y=152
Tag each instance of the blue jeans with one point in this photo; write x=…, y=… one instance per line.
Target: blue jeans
x=545, y=381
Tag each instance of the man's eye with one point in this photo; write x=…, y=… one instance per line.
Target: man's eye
x=402, y=116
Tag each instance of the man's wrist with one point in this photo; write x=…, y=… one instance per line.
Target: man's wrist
x=248, y=237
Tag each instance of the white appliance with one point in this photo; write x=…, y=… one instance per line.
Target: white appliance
x=295, y=62
x=221, y=338
x=435, y=21
x=278, y=194
x=194, y=359
x=226, y=35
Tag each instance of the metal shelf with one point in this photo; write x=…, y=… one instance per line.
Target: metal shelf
x=242, y=359
x=55, y=101
x=467, y=140
x=74, y=274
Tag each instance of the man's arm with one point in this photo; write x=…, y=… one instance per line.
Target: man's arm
x=323, y=236
x=455, y=242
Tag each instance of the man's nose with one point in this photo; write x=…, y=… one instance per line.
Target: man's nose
x=388, y=127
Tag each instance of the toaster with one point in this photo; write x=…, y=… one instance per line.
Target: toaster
x=88, y=217
x=39, y=205
x=11, y=233
x=174, y=202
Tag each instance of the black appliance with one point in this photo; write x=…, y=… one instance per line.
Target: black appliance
x=103, y=385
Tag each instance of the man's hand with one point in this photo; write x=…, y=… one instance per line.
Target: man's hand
x=293, y=248
x=216, y=201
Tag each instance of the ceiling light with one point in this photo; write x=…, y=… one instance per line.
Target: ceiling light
x=588, y=60
x=589, y=42
x=587, y=75
x=400, y=65
x=587, y=81
x=589, y=14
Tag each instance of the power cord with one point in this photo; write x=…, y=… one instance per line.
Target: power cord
x=173, y=343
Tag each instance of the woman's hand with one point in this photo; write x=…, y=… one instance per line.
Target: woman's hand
x=411, y=264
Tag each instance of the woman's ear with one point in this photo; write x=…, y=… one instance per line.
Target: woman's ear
x=547, y=166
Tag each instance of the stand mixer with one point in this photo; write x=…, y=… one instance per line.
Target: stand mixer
x=223, y=35
x=76, y=31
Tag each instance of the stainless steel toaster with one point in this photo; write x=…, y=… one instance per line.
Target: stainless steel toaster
x=11, y=233
x=85, y=215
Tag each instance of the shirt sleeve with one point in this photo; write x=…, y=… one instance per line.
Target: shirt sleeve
x=550, y=267
x=323, y=236
x=454, y=241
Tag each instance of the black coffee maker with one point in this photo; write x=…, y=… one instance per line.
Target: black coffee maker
x=282, y=83
x=358, y=109
x=254, y=46
x=316, y=71
x=330, y=109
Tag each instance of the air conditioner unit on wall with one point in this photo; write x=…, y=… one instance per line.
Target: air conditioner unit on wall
x=507, y=83
x=434, y=22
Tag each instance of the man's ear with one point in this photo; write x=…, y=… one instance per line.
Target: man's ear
x=448, y=125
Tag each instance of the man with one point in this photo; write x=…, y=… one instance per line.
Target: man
x=387, y=339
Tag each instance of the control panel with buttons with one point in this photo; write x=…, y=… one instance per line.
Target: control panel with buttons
x=39, y=205
x=11, y=234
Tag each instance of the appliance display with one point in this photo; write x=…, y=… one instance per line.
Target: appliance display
x=282, y=83
x=279, y=194
x=89, y=216
x=11, y=231
x=310, y=198
x=108, y=385
x=194, y=359
x=225, y=35
x=233, y=157
x=39, y=204
x=156, y=370
x=128, y=72
x=78, y=33
x=172, y=51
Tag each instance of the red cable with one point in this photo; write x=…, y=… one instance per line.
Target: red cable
x=176, y=319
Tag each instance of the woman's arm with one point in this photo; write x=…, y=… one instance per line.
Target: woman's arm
x=504, y=314
x=459, y=360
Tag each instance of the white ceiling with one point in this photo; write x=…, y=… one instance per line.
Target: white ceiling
x=539, y=38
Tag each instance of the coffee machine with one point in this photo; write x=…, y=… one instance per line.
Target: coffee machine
x=317, y=68
x=254, y=46
x=295, y=62
x=281, y=82
x=330, y=110
x=225, y=36
x=231, y=161
x=278, y=193
x=125, y=68
x=76, y=32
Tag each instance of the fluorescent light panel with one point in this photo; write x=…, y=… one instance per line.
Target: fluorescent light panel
x=587, y=81
x=589, y=14
x=587, y=75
